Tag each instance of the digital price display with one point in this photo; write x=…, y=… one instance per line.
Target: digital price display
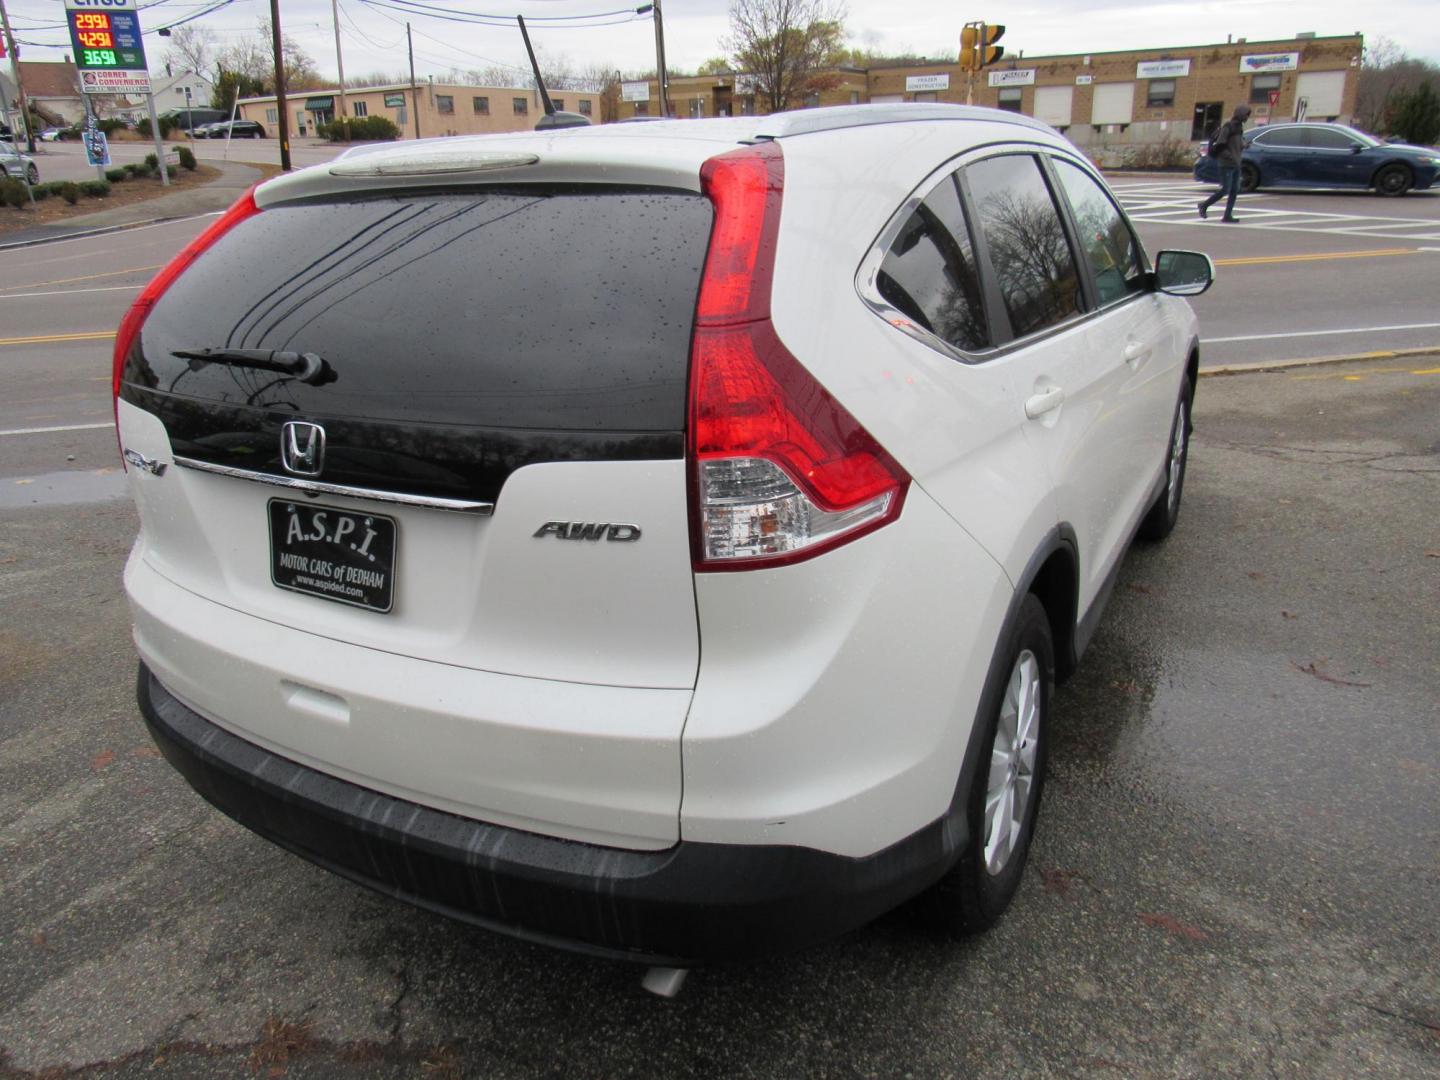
x=106, y=40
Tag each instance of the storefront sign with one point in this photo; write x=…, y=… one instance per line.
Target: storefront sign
x=319, y=104
x=394, y=101
x=115, y=82
x=1285, y=61
x=1162, y=69
x=1084, y=80
x=927, y=82
x=1024, y=77
x=635, y=91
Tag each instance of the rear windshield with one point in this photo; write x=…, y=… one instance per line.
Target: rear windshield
x=560, y=309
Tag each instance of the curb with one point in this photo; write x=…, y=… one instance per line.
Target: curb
x=1317, y=361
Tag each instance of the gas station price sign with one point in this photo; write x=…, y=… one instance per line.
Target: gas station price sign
x=108, y=49
x=106, y=40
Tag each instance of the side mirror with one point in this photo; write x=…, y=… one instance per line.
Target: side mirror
x=1183, y=273
x=1356, y=148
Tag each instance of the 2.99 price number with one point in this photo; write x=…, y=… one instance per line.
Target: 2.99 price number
x=88, y=21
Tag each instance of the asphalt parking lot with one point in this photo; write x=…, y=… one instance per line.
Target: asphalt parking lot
x=1237, y=862
x=1235, y=872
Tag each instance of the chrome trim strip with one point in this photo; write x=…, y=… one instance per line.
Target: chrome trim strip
x=315, y=487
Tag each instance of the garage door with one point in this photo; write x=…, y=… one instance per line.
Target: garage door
x=1052, y=105
x=1113, y=103
x=1323, y=91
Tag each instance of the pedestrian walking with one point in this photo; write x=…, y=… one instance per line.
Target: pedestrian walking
x=1227, y=146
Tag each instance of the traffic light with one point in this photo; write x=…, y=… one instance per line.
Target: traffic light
x=969, y=53
x=988, y=52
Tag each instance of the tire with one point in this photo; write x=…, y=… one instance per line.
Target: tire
x=1393, y=180
x=1160, y=520
x=1249, y=177
x=973, y=895
x=32, y=174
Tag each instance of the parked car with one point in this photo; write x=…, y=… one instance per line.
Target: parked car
x=1327, y=155
x=203, y=131
x=189, y=119
x=16, y=163
x=54, y=134
x=238, y=129
x=698, y=611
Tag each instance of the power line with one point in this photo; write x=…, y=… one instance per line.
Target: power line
x=411, y=8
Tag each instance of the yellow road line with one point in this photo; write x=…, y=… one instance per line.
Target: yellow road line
x=1256, y=260
x=91, y=335
x=85, y=277
x=1427, y=371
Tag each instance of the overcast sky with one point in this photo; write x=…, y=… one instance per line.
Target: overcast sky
x=373, y=37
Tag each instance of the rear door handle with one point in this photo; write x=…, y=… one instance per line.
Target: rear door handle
x=1037, y=405
x=1135, y=351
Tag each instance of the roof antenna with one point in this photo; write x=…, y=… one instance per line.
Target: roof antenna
x=552, y=118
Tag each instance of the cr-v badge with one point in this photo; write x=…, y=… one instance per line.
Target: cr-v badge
x=302, y=448
x=589, y=530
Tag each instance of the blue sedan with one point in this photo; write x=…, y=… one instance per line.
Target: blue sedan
x=1327, y=155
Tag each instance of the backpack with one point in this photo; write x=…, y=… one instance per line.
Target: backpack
x=1218, y=138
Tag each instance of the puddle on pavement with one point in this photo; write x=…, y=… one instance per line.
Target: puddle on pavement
x=62, y=488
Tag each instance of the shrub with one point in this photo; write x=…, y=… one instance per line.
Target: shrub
x=96, y=189
x=134, y=168
x=41, y=191
x=187, y=158
x=12, y=193
x=70, y=191
x=152, y=163
x=170, y=171
x=116, y=175
x=167, y=125
x=110, y=126
x=361, y=128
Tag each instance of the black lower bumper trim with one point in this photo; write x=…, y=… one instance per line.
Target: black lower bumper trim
x=688, y=904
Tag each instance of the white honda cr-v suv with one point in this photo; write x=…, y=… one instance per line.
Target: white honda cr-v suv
x=655, y=539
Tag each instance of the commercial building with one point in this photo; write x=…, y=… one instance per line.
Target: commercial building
x=1112, y=104
x=437, y=108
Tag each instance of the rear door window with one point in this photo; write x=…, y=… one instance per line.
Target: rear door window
x=1106, y=240
x=929, y=272
x=1031, y=257
x=556, y=309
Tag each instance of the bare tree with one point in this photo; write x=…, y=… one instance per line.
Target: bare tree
x=1387, y=76
x=191, y=48
x=785, y=46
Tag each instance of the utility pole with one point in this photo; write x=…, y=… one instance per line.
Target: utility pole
x=660, y=61
x=339, y=60
x=280, y=106
x=19, y=83
x=414, y=93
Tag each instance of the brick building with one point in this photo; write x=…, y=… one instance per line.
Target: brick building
x=1111, y=104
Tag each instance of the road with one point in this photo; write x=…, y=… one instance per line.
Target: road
x=1304, y=273
x=1235, y=871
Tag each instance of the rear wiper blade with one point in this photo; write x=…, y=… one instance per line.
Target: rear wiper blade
x=307, y=367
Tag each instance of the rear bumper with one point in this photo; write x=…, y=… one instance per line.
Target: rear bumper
x=689, y=903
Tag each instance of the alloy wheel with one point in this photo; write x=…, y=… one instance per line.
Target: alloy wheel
x=1012, y=763
x=1177, y=459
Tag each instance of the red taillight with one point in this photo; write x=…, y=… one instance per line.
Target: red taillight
x=134, y=319
x=779, y=470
